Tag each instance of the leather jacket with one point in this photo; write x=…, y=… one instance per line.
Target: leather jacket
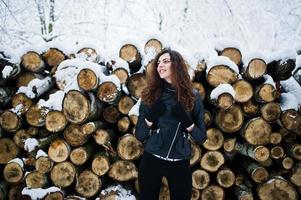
x=167, y=138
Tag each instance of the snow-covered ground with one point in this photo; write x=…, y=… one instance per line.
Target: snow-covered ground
x=194, y=24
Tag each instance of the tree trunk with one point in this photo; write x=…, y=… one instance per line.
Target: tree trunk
x=243, y=91
x=123, y=170
x=55, y=121
x=63, y=174
x=59, y=150
x=212, y=160
x=32, y=61
x=256, y=131
x=129, y=148
x=130, y=53
x=8, y=150
x=256, y=69
x=79, y=108
x=87, y=79
x=88, y=184
x=36, y=179
x=200, y=179
x=230, y=120
x=277, y=188
x=13, y=172
x=136, y=84
x=215, y=139
x=221, y=74
x=213, y=192
x=259, y=153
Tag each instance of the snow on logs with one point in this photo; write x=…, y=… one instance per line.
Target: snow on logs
x=81, y=108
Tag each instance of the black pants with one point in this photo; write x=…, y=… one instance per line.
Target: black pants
x=178, y=174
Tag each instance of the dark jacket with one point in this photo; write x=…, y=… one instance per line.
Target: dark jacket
x=169, y=139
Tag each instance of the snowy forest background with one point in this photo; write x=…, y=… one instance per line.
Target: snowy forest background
x=194, y=24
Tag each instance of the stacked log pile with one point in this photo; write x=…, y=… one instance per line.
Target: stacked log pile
x=67, y=125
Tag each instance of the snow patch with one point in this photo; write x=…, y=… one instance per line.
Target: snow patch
x=30, y=144
x=220, y=89
x=38, y=193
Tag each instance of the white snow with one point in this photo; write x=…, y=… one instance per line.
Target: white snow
x=149, y=56
x=135, y=109
x=111, y=78
x=221, y=60
x=282, y=54
x=39, y=85
x=41, y=153
x=120, y=63
x=247, y=57
x=17, y=160
x=38, y=193
x=17, y=109
x=288, y=101
x=292, y=86
x=269, y=80
x=30, y=144
x=7, y=71
x=298, y=64
x=222, y=43
x=222, y=88
x=122, y=194
x=55, y=101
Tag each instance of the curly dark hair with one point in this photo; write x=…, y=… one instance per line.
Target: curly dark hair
x=180, y=80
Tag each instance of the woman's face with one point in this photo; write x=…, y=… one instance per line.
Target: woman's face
x=164, y=67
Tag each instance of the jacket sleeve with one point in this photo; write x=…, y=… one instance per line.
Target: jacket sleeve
x=199, y=131
x=142, y=130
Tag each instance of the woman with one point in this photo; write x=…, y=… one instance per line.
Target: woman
x=171, y=112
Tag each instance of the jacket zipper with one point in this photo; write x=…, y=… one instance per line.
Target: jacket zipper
x=173, y=140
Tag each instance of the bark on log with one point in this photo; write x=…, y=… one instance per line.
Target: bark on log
x=3, y=190
x=243, y=192
x=281, y=69
x=6, y=94
x=259, y=153
x=258, y=173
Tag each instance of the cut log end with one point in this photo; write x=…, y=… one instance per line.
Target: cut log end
x=129, y=148
x=55, y=121
x=200, y=179
x=213, y=192
x=212, y=160
x=8, y=150
x=79, y=156
x=225, y=101
x=100, y=165
x=87, y=79
x=232, y=53
x=59, y=150
x=261, y=153
x=215, y=139
x=36, y=179
x=123, y=171
x=243, y=91
x=108, y=92
x=88, y=184
x=13, y=172
x=10, y=121
x=221, y=74
x=63, y=174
